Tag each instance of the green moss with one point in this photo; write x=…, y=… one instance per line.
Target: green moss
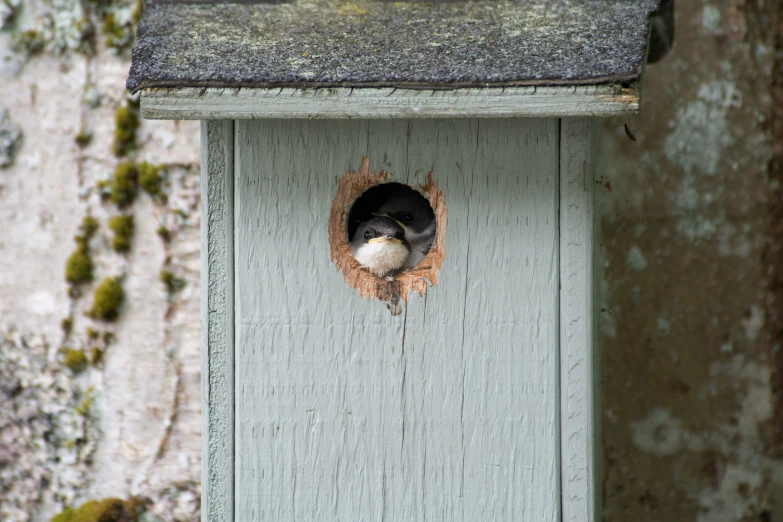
x=9, y=11
x=109, y=296
x=66, y=515
x=164, y=233
x=104, y=189
x=122, y=226
x=88, y=228
x=29, y=42
x=78, y=267
x=108, y=338
x=96, y=355
x=149, y=178
x=106, y=510
x=172, y=282
x=75, y=359
x=86, y=30
x=84, y=137
x=138, y=10
x=67, y=325
x=86, y=405
x=124, y=185
x=92, y=335
x=126, y=123
x=118, y=35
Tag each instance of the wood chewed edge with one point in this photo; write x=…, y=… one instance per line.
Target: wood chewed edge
x=350, y=187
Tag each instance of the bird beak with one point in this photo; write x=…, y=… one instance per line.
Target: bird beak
x=384, y=214
x=385, y=239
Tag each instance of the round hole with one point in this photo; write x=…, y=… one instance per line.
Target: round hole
x=359, y=195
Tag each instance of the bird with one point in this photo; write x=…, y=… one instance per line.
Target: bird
x=414, y=214
x=379, y=245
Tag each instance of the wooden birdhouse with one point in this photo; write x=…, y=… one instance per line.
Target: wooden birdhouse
x=478, y=402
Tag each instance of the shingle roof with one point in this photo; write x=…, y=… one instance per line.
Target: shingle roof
x=440, y=43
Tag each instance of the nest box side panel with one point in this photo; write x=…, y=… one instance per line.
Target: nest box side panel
x=447, y=412
x=217, y=320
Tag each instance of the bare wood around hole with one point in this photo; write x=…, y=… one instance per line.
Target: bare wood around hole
x=350, y=187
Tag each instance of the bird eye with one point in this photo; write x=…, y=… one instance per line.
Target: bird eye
x=407, y=217
x=368, y=235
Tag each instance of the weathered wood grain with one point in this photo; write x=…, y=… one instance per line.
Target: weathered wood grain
x=578, y=336
x=217, y=320
x=448, y=412
x=192, y=103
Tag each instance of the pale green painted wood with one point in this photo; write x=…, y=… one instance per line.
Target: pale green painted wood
x=193, y=103
x=217, y=320
x=580, y=377
x=448, y=412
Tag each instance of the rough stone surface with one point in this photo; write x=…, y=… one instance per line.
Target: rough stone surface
x=691, y=414
x=380, y=43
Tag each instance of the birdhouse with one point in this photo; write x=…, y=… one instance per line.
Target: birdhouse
x=478, y=400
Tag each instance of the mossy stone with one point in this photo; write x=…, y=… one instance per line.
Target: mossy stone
x=29, y=42
x=76, y=360
x=84, y=137
x=66, y=325
x=87, y=229
x=149, y=178
x=126, y=123
x=96, y=355
x=164, y=233
x=172, y=282
x=138, y=10
x=118, y=35
x=106, y=510
x=108, y=298
x=124, y=186
x=123, y=227
x=78, y=267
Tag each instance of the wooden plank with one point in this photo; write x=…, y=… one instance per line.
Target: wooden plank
x=447, y=412
x=217, y=320
x=580, y=414
x=192, y=103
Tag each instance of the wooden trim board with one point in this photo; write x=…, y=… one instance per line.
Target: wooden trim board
x=217, y=320
x=193, y=103
x=579, y=376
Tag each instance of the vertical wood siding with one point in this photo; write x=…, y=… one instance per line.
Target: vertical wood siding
x=447, y=412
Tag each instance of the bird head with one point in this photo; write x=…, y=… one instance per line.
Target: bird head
x=379, y=245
